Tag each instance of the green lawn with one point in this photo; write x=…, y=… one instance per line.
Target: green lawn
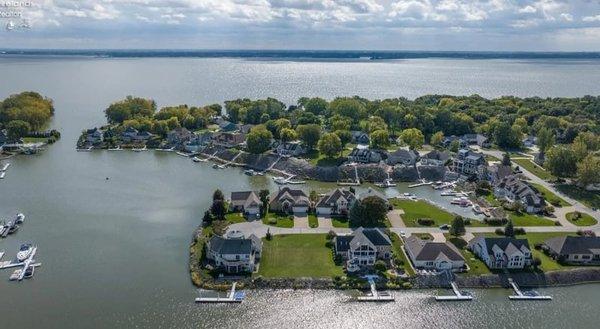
x=318, y=159
x=35, y=139
x=298, y=255
x=588, y=198
x=476, y=266
x=528, y=165
x=413, y=210
x=340, y=222
x=397, y=244
x=313, y=221
x=273, y=219
x=525, y=219
x=583, y=220
x=235, y=217
x=554, y=199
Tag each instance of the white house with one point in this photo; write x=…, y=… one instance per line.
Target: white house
x=502, y=253
x=234, y=253
x=429, y=255
x=336, y=202
x=363, y=247
x=514, y=189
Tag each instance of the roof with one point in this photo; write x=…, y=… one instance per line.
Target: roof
x=372, y=192
x=431, y=251
x=574, y=245
x=437, y=155
x=245, y=199
x=332, y=197
x=405, y=154
x=522, y=190
x=223, y=246
x=342, y=242
x=298, y=197
x=373, y=237
x=508, y=245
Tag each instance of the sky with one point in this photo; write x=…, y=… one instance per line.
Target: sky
x=484, y=25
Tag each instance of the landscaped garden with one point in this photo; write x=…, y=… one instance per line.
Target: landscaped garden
x=313, y=221
x=581, y=219
x=300, y=255
x=476, y=266
x=399, y=255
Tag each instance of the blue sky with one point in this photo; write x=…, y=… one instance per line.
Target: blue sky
x=531, y=25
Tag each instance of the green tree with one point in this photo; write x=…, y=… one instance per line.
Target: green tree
x=506, y=159
x=356, y=214
x=288, y=135
x=348, y=107
x=380, y=139
x=454, y=146
x=412, y=137
x=436, y=139
x=505, y=136
x=218, y=209
x=545, y=139
x=457, y=228
x=27, y=106
x=374, y=211
x=309, y=134
x=264, y=199
x=330, y=145
x=259, y=139
x=316, y=106
x=580, y=148
x=129, y=108
x=561, y=161
x=588, y=170
x=17, y=129
x=218, y=195
x=509, y=229
x=344, y=135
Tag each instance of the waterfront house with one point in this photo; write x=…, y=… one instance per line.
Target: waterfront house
x=247, y=202
x=360, y=137
x=336, y=202
x=515, y=190
x=244, y=128
x=575, y=250
x=497, y=172
x=234, y=253
x=228, y=139
x=373, y=193
x=364, y=155
x=430, y=255
x=226, y=126
x=362, y=248
x=476, y=139
x=94, y=136
x=179, y=136
x=288, y=149
x=502, y=253
x=468, y=162
x=435, y=158
x=198, y=141
x=288, y=200
x=529, y=141
x=403, y=156
x=133, y=135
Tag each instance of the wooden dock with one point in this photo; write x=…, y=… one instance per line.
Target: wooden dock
x=527, y=295
x=232, y=297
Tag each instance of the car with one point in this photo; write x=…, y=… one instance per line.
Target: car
x=403, y=234
x=444, y=227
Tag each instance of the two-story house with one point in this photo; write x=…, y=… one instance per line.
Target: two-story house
x=468, y=162
x=288, y=149
x=515, y=190
x=364, y=155
x=178, y=136
x=435, y=158
x=403, y=156
x=234, y=253
x=363, y=248
x=502, y=253
x=336, y=202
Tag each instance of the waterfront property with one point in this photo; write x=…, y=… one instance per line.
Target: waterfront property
x=370, y=192
x=497, y=172
x=362, y=248
x=132, y=135
x=574, y=250
x=403, y=156
x=288, y=200
x=247, y=202
x=468, y=163
x=435, y=158
x=429, y=255
x=234, y=253
x=502, y=253
x=364, y=155
x=289, y=149
x=94, y=136
x=336, y=202
x=515, y=190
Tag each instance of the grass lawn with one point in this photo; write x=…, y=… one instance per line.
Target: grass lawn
x=413, y=210
x=340, y=222
x=313, y=221
x=476, y=266
x=588, y=198
x=286, y=221
x=35, y=139
x=297, y=255
x=235, y=217
x=583, y=220
x=318, y=159
x=397, y=244
x=533, y=168
x=554, y=199
x=525, y=219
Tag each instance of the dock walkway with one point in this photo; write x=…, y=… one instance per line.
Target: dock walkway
x=527, y=295
x=232, y=297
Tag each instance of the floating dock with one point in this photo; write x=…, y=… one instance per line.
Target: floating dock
x=6, y=165
x=458, y=295
x=375, y=296
x=527, y=295
x=19, y=274
x=232, y=297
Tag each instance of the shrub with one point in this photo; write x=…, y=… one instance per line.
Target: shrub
x=496, y=221
x=499, y=231
x=331, y=235
x=380, y=266
x=406, y=285
x=467, y=221
x=538, y=246
x=426, y=221
x=272, y=220
x=519, y=231
x=269, y=236
x=557, y=223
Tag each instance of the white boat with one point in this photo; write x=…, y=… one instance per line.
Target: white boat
x=477, y=209
x=462, y=201
x=249, y=172
x=260, y=173
x=24, y=252
x=197, y=159
x=448, y=193
x=116, y=149
x=386, y=183
x=182, y=154
x=20, y=218
x=280, y=180
x=295, y=182
x=89, y=149
x=5, y=167
x=139, y=150
x=2, y=174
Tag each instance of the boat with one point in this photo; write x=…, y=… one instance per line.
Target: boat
x=448, y=193
x=5, y=167
x=20, y=218
x=260, y=173
x=89, y=149
x=24, y=252
x=29, y=272
x=197, y=159
x=215, y=166
x=139, y=150
x=183, y=154
x=166, y=150
x=386, y=183
x=462, y=201
x=295, y=182
x=116, y=149
x=249, y=172
x=2, y=174
x=477, y=209
x=12, y=227
x=16, y=275
x=280, y=180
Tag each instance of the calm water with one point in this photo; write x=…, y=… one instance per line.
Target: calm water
x=114, y=252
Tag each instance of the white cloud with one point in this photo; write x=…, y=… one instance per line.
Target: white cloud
x=591, y=18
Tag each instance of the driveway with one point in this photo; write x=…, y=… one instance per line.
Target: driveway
x=395, y=217
x=438, y=237
x=325, y=222
x=301, y=221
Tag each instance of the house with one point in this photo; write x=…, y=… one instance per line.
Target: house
x=179, y=136
x=468, y=162
x=133, y=135
x=364, y=155
x=529, y=141
x=476, y=139
x=336, y=202
x=288, y=200
x=430, y=255
x=447, y=141
x=360, y=137
x=514, y=189
x=403, y=156
x=362, y=248
x=93, y=136
x=226, y=126
x=502, y=253
x=197, y=141
x=288, y=149
x=498, y=172
x=373, y=193
x=234, y=253
x=244, y=128
x=247, y=202
x=435, y=158
x=576, y=250
x=228, y=139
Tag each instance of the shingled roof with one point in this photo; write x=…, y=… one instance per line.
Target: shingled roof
x=566, y=245
x=431, y=251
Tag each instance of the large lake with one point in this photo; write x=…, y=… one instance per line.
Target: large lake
x=114, y=252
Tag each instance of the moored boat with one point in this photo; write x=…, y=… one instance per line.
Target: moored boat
x=24, y=252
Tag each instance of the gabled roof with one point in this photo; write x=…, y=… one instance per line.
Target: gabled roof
x=223, y=246
x=332, y=197
x=245, y=199
x=506, y=244
x=372, y=237
x=574, y=245
x=437, y=155
x=405, y=154
x=297, y=197
x=431, y=251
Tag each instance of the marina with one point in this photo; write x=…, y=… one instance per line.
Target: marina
x=232, y=297
x=525, y=295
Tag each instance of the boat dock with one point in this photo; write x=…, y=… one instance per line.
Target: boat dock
x=6, y=165
x=527, y=295
x=458, y=295
x=375, y=296
x=423, y=183
x=19, y=274
x=232, y=297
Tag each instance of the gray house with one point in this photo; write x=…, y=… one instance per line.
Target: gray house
x=360, y=137
x=576, y=250
x=247, y=202
x=514, y=189
x=234, y=253
x=336, y=202
x=402, y=156
x=429, y=255
x=435, y=158
x=502, y=253
x=364, y=155
x=362, y=248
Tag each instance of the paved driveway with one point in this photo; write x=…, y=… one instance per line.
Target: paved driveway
x=301, y=221
x=325, y=222
x=395, y=218
x=438, y=237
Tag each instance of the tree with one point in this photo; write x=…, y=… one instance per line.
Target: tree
x=374, y=211
x=17, y=129
x=454, y=146
x=259, y=139
x=129, y=108
x=218, y=209
x=207, y=219
x=263, y=195
x=436, y=139
x=505, y=136
x=561, y=161
x=380, y=139
x=457, y=228
x=309, y=134
x=509, y=229
x=580, y=148
x=218, y=195
x=313, y=196
x=344, y=135
x=380, y=266
x=588, y=170
x=506, y=159
x=413, y=137
x=316, y=106
x=330, y=145
x=348, y=107
x=355, y=216
x=288, y=135
x=536, y=262
x=27, y=106
x=375, y=123
x=545, y=139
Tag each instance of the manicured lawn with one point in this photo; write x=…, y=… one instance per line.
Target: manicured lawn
x=340, y=222
x=318, y=159
x=525, y=219
x=588, y=198
x=583, y=220
x=554, y=199
x=397, y=244
x=413, y=210
x=528, y=165
x=476, y=266
x=313, y=221
x=235, y=217
x=273, y=219
x=298, y=255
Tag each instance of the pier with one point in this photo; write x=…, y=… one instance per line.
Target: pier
x=375, y=296
x=19, y=274
x=232, y=297
x=527, y=295
x=458, y=295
